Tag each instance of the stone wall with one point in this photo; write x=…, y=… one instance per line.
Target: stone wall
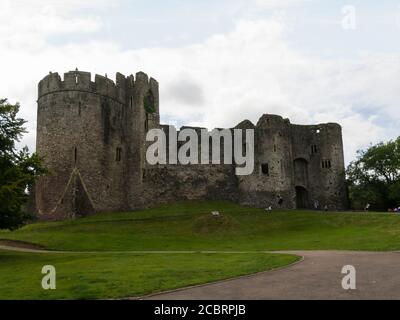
x=91, y=135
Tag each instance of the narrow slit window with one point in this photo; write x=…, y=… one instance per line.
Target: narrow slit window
x=75, y=155
x=265, y=169
x=118, y=156
x=314, y=149
x=76, y=79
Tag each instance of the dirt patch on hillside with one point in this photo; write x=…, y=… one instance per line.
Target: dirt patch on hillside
x=20, y=244
x=214, y=224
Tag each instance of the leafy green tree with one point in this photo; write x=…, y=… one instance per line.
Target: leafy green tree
x=375, y=176
x=18, y=169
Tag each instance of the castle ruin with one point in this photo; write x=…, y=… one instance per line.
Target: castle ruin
x=92, y=138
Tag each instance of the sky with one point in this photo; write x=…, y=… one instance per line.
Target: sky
x=219, y=62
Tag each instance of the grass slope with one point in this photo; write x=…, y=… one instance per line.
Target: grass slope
x=97, y=276
x=190, y=226
x=182, y=226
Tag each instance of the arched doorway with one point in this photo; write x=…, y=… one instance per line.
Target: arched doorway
x=301, y=172
x=301, y=198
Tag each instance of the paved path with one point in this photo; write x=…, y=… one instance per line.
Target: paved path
x=318, y=276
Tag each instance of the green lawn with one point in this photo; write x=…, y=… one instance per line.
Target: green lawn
x=190, y=226
x=97, y=276
x=102, y=271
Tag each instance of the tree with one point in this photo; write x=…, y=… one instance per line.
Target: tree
x=18, y=169
x=375, y=176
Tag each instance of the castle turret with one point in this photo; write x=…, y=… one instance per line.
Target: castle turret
x=90, y=136
x=271, y=182
x=319, y=168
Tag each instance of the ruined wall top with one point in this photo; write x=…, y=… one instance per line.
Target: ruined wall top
x=276, y=121
x=81, y=81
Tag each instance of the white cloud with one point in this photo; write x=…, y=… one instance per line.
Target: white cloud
x=25, y=24
x=230, y=77
x=280, y=3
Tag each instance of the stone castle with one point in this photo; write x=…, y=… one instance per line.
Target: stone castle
x=92, y=137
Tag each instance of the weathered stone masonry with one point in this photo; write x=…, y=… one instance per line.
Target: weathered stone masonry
x=91, y=136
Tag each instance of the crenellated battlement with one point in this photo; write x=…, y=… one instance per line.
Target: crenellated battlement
x=81, y=81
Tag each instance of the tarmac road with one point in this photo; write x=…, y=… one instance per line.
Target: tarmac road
x=318, y=276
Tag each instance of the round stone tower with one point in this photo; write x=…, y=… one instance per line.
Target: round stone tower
x=91, y=137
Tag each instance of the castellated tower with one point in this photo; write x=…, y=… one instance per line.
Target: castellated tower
x=273, y=174
x=91, y=137
x=296, y=166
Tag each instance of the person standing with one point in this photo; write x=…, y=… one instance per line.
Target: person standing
x=280, y=201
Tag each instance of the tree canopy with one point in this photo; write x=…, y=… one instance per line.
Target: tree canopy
x=18, y=168
x=374, y=177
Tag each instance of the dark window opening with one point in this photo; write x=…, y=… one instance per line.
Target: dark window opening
x=326, y=164
x=314, y=149
x=274, y=148
x=265, y=169
x=75, y=155
x=118, y=156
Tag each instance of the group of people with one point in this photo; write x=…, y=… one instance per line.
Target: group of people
x=279, y=201
x=317, y=206
x=397, y=209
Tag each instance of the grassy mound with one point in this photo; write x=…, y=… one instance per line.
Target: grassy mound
x=190, y=226
x=209, y=224
x=111, y=268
